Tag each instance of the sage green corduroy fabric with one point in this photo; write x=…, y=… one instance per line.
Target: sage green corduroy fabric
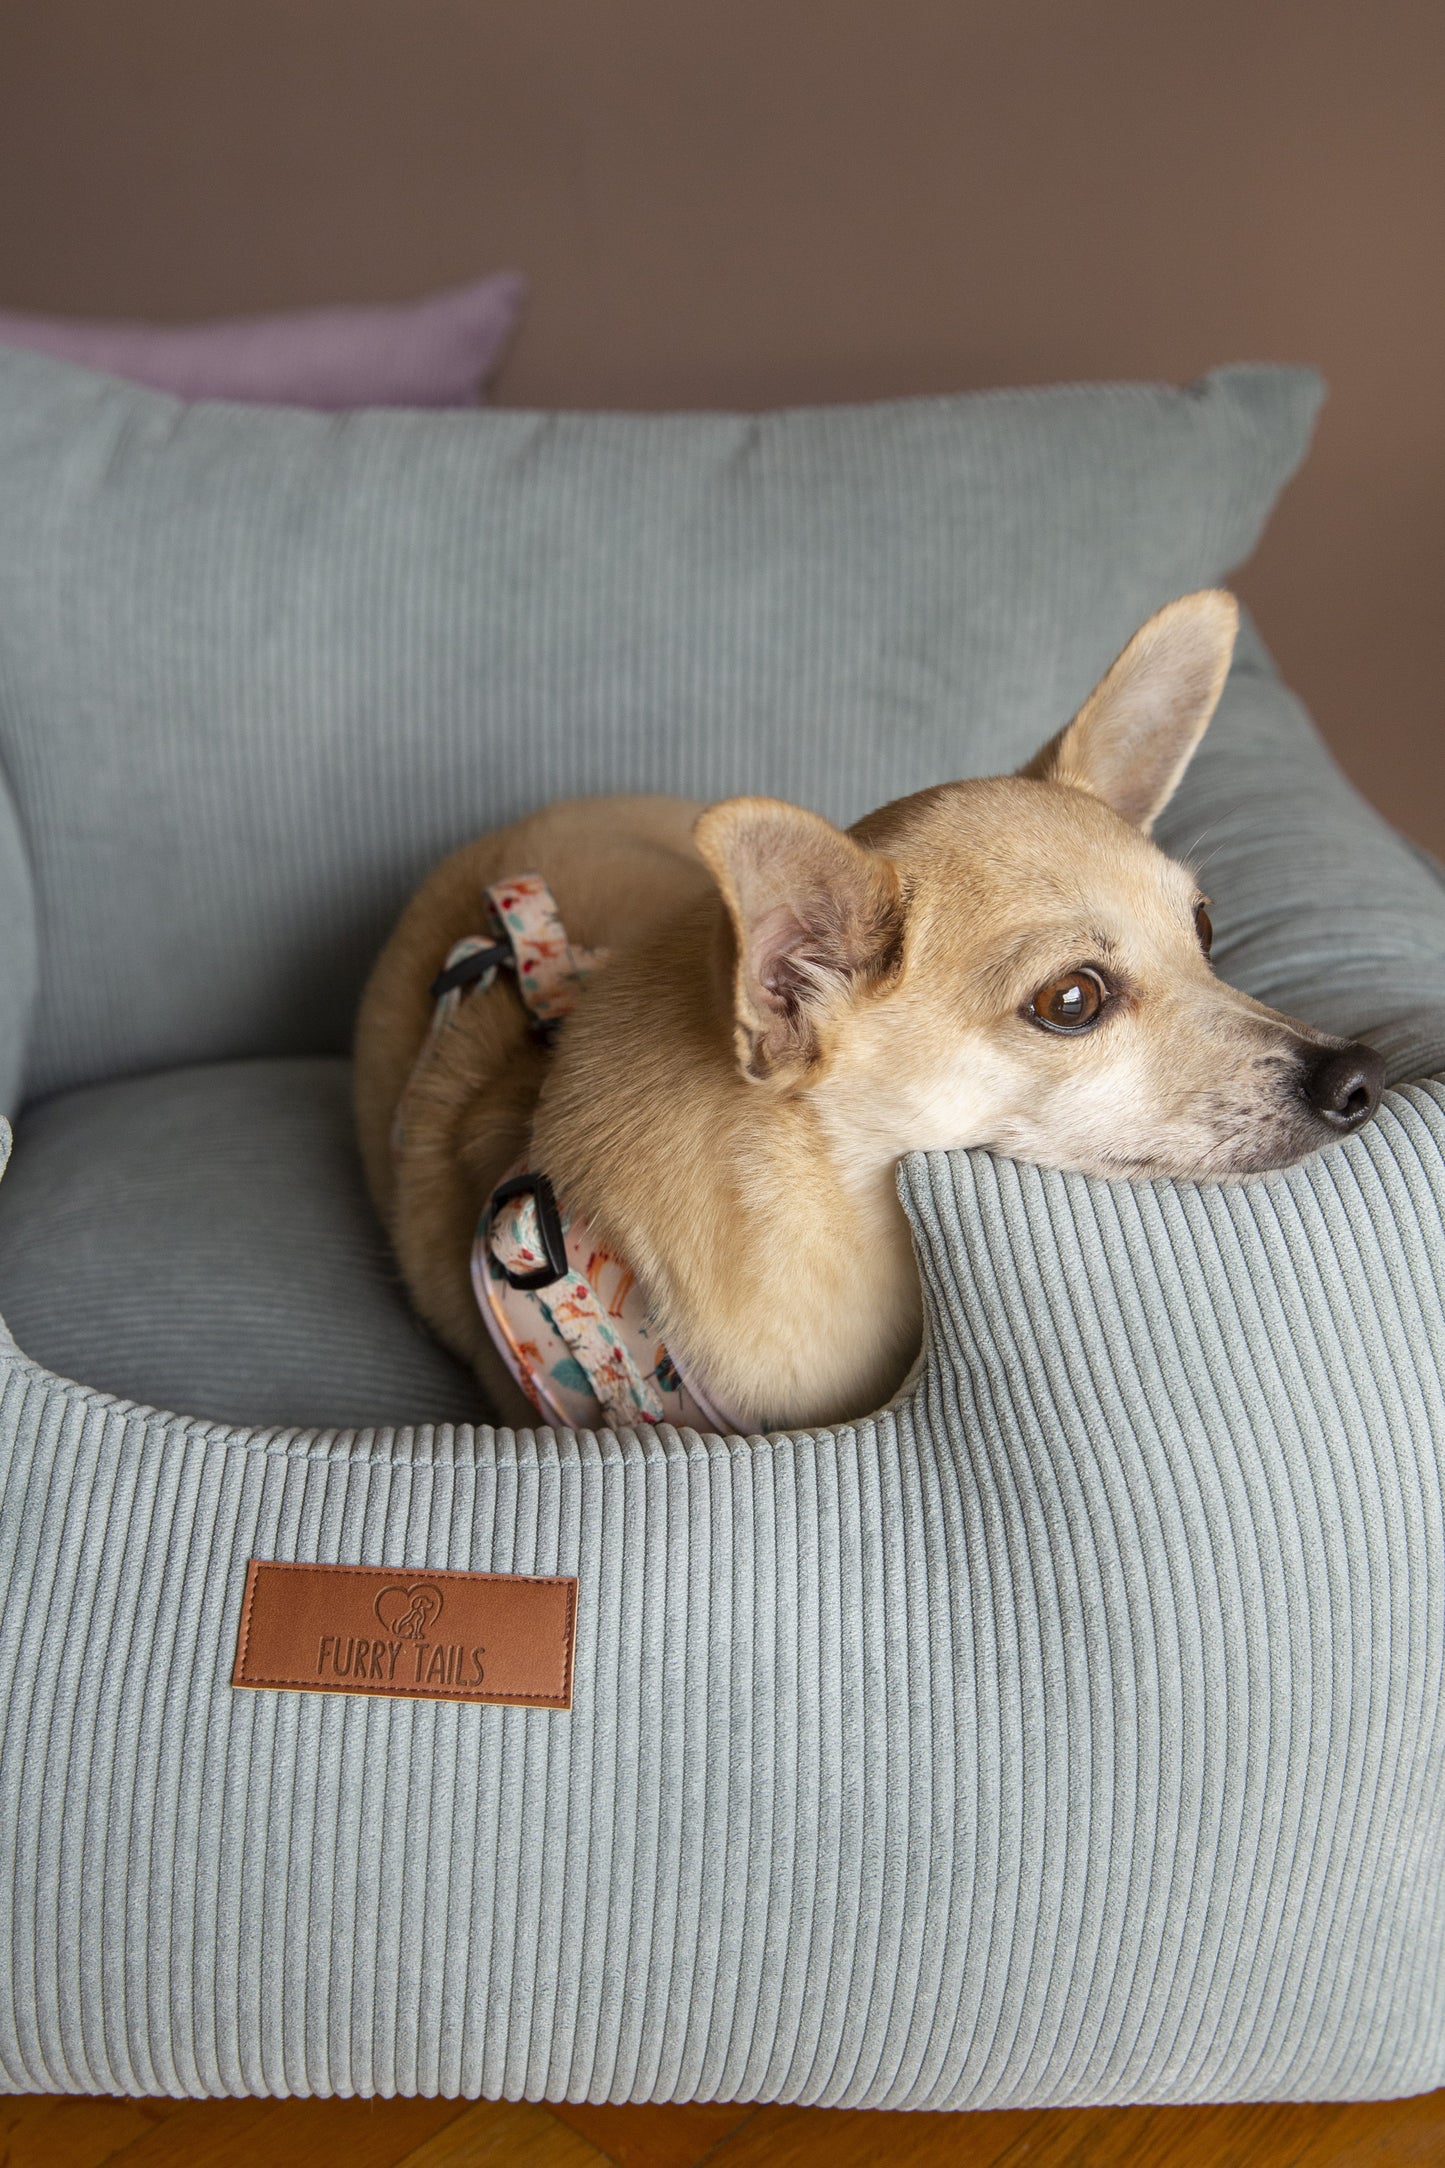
x=1071, y=1732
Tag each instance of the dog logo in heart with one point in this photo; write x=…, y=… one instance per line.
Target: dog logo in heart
x=409, y=1612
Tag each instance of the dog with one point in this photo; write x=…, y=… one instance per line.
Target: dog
x=767, y=1014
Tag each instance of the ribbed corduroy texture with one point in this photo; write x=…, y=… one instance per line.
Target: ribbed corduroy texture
x=260, y=669
x=1071, y=1732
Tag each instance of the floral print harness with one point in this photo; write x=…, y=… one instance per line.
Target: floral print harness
x=565, y=1312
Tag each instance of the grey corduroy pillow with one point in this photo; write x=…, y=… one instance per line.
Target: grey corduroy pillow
x=259, y=668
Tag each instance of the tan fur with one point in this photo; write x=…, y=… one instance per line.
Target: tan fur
x=787, y=1010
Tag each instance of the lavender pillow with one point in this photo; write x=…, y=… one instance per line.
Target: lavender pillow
x=437, y=352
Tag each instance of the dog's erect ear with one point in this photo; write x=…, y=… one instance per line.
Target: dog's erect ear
x=1132, y=739
x=816, y=918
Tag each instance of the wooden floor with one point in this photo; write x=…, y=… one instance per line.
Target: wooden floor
x=41, y=2132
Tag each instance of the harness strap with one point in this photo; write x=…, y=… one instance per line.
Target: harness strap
x=550, y=971
x=570, y=1304
x=528, y=938
x=570, y=1321
x=564, y=1312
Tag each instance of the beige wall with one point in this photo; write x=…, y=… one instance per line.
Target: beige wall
x=749, y=201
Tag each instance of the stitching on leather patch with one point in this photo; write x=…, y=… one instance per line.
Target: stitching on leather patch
x=424, y=1635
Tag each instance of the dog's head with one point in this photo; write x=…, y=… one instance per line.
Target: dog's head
x=1013, y=964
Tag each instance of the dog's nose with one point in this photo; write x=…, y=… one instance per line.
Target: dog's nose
x=1344, y=1085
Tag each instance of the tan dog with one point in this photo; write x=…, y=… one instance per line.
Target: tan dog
x=788, y=1009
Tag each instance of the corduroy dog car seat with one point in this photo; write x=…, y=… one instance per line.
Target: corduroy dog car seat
x=1069, y=1731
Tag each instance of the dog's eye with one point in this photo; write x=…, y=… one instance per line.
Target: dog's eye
x=1070, y=1003
x=1204, y=927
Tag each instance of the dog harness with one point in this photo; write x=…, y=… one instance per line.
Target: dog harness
x=564, y=1311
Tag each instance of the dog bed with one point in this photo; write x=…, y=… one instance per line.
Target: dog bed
x=1069, y=1731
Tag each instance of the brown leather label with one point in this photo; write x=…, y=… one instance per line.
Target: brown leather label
x=397, y=1630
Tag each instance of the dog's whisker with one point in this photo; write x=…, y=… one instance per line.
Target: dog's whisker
x=1196, y=858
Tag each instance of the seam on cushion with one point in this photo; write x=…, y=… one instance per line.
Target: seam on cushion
x=9, y=792
x=11, y=796
x=30, y=997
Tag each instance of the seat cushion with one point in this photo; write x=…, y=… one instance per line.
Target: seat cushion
x=201, y=1240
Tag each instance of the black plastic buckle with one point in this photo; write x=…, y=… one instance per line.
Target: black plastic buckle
x=549, y=1220
x=470, y=968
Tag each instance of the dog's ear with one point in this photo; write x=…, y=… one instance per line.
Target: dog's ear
x=1132, y=739
x=816, y=918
